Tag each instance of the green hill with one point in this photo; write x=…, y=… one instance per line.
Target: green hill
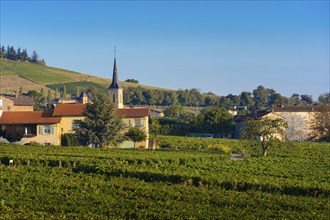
x=31, y=76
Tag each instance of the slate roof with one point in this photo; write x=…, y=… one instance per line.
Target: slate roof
x=20, y=100
x=78, y=110
x=29, y=117
x=115, y=82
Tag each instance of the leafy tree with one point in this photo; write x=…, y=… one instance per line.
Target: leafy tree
x=321, y=123
x=265, y=131
x=136, y=134
x=101, y=125
x=13, y=133
x=132, y=81
x=215, y=120
x=295, y=100
x=306, y=99
x=56, y=93
x=173, y=111
x=275, y=99
x=77, y=91
x=154, y=127
x=246, y=99
x=324, y=98
x=260, y=97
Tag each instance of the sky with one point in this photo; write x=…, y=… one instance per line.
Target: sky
x=215, y=46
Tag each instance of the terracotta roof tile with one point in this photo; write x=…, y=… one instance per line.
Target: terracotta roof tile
x=31, y=117
x=133, y=112
x=69, y=109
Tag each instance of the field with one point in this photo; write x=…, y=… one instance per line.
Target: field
x=33, y=76
x=201, y=182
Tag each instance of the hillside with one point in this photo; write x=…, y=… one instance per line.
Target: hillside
x=34, y=77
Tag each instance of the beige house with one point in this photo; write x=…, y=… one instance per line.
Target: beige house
x=37, y=126
x=16, y=103
x=299, y=120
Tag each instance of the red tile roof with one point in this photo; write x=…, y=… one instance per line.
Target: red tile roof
x=69, y=109
x=133, y=112
x=78, y=110
x=31, y=117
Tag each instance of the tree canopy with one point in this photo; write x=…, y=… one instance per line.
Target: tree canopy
x=265, y=131
x=101, y=126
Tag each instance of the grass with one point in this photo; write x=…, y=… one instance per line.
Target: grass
x=55, y=77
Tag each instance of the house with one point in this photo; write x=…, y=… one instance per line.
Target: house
x=132, y=117
x=299, y=120
x=38, y=126
x=83, y=99
x=48, y=127
x=16, y=102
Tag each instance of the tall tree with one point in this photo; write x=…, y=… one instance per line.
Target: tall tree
x=13, y=133
x=260, y=97
x=246, y=99
x=265, y=131
x=34, y=57
x=101, y=126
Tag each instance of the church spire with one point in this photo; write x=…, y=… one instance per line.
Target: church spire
x=115, y=82
x=115, y=89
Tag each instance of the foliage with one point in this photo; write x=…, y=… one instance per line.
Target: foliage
x=265, y=130
x=11, y=54
x=321, y=123
x=101, y=126
x=173, y=110
x=69, y=139
x=13, y=133
x=132, y=81
x=136, y=134
x=292, y=183
x=214, y=120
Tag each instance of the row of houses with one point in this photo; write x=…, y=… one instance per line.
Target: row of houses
x=48, y=127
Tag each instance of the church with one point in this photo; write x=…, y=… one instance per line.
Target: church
x=48, y=127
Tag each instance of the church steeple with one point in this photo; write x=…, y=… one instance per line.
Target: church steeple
x=115, y=83
x=115, y=89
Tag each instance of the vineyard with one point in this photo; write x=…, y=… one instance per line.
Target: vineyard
x=190, y=178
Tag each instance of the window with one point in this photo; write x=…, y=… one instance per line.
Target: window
x=46, y=129
x=113, y=98
x=139, y=122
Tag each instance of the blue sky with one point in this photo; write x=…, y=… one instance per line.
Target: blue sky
x=218, y=46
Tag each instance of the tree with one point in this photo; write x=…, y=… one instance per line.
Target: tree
x=324, y=98
x=214, y=120
x=132, y=81
x=13, y=133
x=34, y=57
x=101, y=126
x=265, y=131
x=63, y=94
x=136, y=134
x=260, y=96
x=246, y=99
x=306, y=99
x=174, y=110
x=321, y=123
x=49, y=96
